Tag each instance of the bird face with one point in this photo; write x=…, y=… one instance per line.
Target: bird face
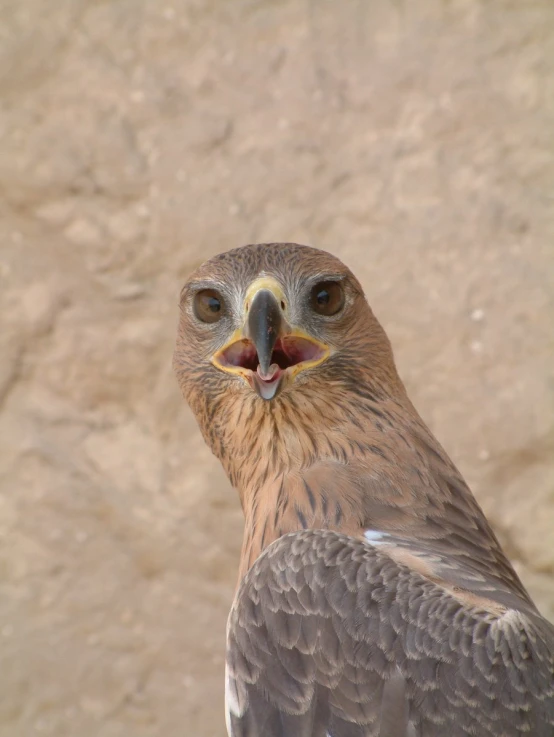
x=268, y=318
x=269, y=348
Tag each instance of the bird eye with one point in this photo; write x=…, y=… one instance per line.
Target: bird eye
x=327, y=298
x=208, y=305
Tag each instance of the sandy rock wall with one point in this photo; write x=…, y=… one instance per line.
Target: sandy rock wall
x=137, y=138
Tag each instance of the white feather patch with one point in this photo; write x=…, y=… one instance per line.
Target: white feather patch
x=376, y=537
x=232, y=705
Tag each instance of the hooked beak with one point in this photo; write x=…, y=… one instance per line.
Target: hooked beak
x=267, y=352
x=265, y=323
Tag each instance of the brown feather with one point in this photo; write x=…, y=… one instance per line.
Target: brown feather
x=424, y=631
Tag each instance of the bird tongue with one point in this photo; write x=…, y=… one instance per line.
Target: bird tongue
x=270, y=374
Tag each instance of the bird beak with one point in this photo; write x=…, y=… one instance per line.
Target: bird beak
x=265, y=324
x=267, y=351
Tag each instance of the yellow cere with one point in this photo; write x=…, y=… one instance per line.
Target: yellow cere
x=264, y=282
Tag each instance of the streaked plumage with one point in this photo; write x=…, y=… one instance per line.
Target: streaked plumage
x=374, y=599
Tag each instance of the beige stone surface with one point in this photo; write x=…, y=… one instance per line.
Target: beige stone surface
x=413, y=139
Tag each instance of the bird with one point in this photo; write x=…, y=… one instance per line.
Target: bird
x=373, y=597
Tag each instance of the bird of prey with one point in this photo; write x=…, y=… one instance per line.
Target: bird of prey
x=373, y=600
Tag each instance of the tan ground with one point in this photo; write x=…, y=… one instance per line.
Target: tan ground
x=413, y=139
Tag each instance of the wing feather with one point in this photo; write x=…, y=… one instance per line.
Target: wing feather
x=330, y=635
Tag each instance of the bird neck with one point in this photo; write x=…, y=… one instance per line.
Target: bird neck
x=260, y=442
x=291, y=475
x=375, y=466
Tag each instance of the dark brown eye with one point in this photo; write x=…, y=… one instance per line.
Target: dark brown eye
x=327, y=298
x=208, y=305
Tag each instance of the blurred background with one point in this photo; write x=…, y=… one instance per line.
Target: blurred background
x=415, y=140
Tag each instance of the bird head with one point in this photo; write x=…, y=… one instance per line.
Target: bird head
x=269, y=320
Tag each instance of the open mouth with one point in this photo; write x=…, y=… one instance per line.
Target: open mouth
x=289, y=350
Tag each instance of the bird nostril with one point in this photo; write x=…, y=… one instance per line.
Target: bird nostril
x=282, y=304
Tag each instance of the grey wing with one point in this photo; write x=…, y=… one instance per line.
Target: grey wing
x=330, y=637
